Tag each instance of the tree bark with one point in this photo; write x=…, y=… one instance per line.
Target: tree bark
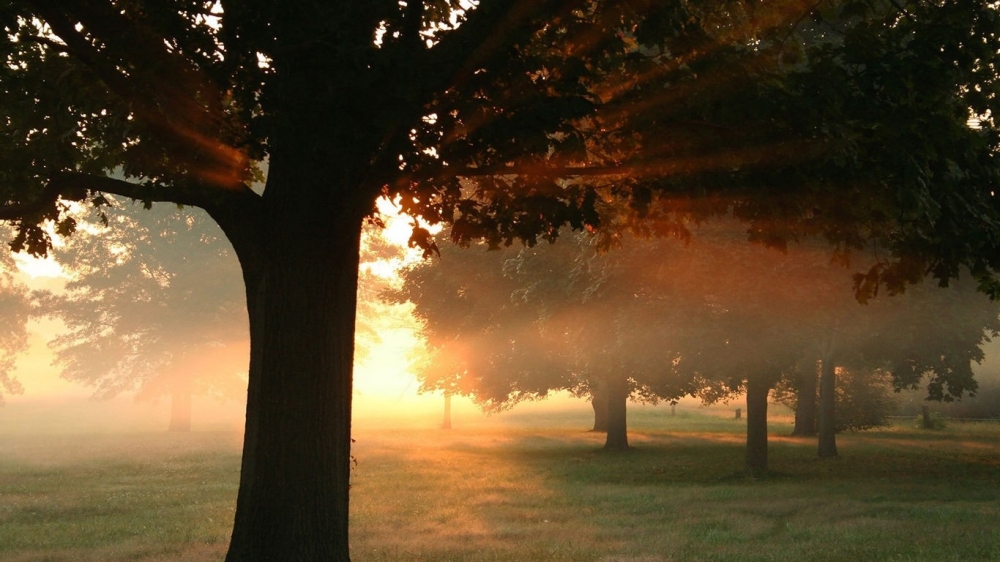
x=805, y=404
x=180, y=406
x=301, y=280
x=617, y=437
x=599, y=401
x=446, y=423
x=756, y=459
x=827, y=408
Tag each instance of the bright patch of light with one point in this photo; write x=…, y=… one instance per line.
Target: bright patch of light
x=263, y=61
x=35, y=268
x=398, y=226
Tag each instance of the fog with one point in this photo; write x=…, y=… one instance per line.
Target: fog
x=513, y=335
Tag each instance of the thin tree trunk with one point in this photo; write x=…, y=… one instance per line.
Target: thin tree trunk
x=617, y=438
x=925, y=414
x=446, y=424
x=805, y=403
x=301, y=281
x=180, y=406
x=756, y=460
x=827, y=408
x=599, y=401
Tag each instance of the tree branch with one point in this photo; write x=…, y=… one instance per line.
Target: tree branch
x=485, y=32
x=172, y=96
x=54, y=45
x=237, y=211
x=74, y=186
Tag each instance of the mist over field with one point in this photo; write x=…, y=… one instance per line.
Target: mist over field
x=96, y=467
x=126, y=440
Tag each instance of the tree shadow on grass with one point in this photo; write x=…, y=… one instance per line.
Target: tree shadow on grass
x=556, y=495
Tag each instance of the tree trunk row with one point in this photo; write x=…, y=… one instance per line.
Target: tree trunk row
x=609, y=404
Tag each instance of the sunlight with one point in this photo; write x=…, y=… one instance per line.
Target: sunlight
x=35, y=267
x=399, y=226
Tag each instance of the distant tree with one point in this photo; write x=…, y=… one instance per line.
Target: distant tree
x=482, y=341
x=613, y=315
x=927, y=337
x=864, y=400
x=15, y=310
x=380, y=260
x=514, y=325
x=781, y=314
x=148, y=310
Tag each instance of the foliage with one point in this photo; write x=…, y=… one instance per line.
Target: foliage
x=507, y=120
x=932, y=336
x=701, y=315
x=148, y=308
x=513, y=325
x=864, y=400
x=15, y=310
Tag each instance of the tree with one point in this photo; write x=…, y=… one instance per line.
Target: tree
x=928, y=336
x=516, y=325
x=781, y=314
x=863, y=400
x=484, y=340
x=614, y=317
x=15, y=310
x=149, y=309
x=540, y=108
x=754, y=321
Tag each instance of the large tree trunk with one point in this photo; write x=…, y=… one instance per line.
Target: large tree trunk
x=301, y=280
x=617, y=438
x=599, y=401
x=827, y=408
x=180, y=406
x=446, y=424
x=756, y=460
x=805, y=404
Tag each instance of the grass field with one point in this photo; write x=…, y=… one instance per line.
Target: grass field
x=527, y=488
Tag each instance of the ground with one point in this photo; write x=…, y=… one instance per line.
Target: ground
x=531, y=486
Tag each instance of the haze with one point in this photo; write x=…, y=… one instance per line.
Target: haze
x=525, y=342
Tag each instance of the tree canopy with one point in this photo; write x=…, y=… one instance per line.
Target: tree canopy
x=15, y=310
x=711, y=315
x=149, y=308
x=508, y=119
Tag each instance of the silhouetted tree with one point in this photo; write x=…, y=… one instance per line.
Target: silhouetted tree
x=508, y=120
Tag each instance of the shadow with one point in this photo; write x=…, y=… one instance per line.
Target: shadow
x=487, y=493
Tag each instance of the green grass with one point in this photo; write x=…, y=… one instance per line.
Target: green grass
x=529, y=488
